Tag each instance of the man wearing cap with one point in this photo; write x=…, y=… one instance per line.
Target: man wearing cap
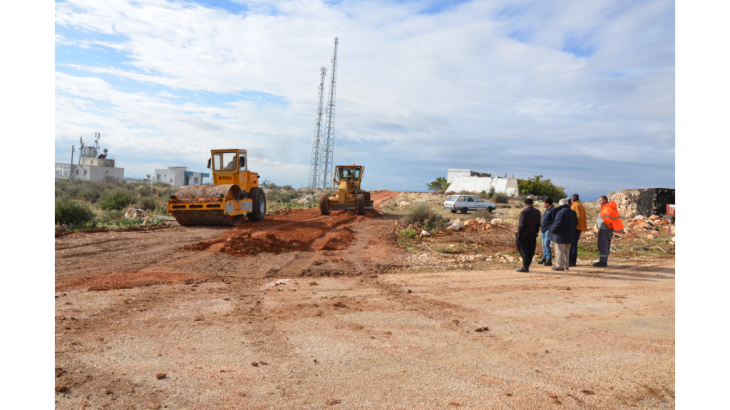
x=562, y=232
x=579, y=229
x=527, y=234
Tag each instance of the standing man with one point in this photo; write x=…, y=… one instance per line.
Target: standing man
x=608, y=222
x=547, y=221
x=527, y=234
x=562, y=232
x=582, y=226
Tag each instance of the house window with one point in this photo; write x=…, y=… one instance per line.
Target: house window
x=77, y=172
x=84, y=172
x=158, y=177
x=171, y=181
x=196, y=180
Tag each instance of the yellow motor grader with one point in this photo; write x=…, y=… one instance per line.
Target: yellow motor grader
x=346, y=191
x=235, y=192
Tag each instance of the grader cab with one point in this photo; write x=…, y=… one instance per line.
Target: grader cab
x=235, y=192
x=346, y=191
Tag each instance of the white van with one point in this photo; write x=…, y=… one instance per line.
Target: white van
x=466, y=203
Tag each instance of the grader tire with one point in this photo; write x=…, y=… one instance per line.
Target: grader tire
x=324, y=205
x=361, y=204
x=367, y=195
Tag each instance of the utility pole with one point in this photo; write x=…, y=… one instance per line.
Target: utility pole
x=329, y=143
x=71, y=165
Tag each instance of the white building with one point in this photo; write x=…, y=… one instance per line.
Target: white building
x=179, y=176
x=92, y=165
x=468, y=180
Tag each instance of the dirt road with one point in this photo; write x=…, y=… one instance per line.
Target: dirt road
x=305, y=311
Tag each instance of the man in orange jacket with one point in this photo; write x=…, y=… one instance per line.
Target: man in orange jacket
x=608, y=222
x=582, y=226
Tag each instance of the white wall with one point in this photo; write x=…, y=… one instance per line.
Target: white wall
x=174, y=175
x=457, y=173
x=478, y=184
x=92, y=173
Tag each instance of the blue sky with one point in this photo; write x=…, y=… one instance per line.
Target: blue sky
x=580, y=92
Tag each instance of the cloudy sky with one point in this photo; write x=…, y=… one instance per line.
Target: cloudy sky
x=580, y=92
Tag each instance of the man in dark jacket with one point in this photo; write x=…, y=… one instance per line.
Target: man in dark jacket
x=562, y=232
x=547, y=221
x=527, y=234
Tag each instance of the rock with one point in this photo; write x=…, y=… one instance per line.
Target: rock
x=133, y=213
x=332, y=402
x=654, y=218
x=160, y=376
x=152, y=405
x=425, y=233
x=308, y=198
x=294, y=200
x=497, y=221
x=480, y=220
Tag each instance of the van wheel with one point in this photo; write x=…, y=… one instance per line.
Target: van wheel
x=453, y=211
x=464, y=210
x=490, y=209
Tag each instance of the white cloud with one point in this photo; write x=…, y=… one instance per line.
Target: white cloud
x=443, y=89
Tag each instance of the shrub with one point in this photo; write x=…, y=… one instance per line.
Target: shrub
x=115, y=215
x=117, y=199
x=538, y=186
x=148, y=203
x=483, y=194
x=423, y=215
x=500, y=198
x=144, y=190
x=484, y=214
x=287, y=188
x=491, y=191
x=408, y=233
x=464, y=192
x=89, y=193
x=72, y=212
x=439, y=184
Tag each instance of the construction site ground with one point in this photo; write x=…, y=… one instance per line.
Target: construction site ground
x=305, y=311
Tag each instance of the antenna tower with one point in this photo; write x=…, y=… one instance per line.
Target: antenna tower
x=329, y=134
x=315, y=166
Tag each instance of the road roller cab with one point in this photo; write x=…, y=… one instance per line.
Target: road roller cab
x=235, y=192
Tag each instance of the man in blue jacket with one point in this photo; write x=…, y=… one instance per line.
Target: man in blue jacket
x=562, y=232
x=547, y=221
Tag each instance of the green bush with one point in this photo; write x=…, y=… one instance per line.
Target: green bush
x=483, y=195
x=491, y=191
x=439, y=184
x=287, y=188
x=500, y=198
x=144, y=190
x=115, y=215
x=148, y=203
x=423, y=215
x=72, y=212
x=117, y=199
x=542, y=187
x=89, y=193
x=408, y=233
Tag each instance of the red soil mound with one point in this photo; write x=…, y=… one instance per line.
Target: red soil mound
x=341, y=241
x=128, y=280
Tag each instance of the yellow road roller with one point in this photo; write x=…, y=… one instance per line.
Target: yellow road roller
x=235, y=193
x=346, y=191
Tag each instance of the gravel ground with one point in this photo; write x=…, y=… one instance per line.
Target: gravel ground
x=237, y=334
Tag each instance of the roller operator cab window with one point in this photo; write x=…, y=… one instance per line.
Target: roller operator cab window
x=224, y=161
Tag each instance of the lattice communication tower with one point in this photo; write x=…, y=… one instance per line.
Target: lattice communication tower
x=329, y=134
x=315, y=166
